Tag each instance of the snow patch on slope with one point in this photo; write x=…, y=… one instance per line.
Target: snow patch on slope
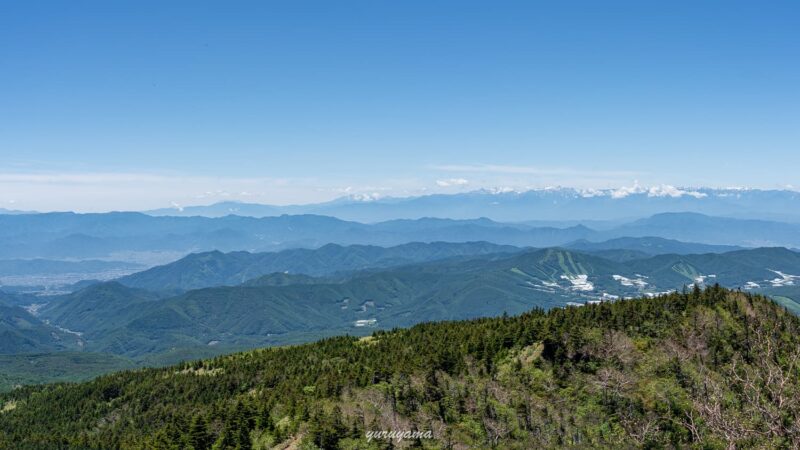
x=579, y=282
x=664, y=190
x=637, y=282
x=783, y=279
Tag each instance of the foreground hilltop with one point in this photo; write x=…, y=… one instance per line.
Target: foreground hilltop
x=704, y=369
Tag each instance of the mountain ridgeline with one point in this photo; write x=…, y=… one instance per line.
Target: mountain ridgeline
x=555, y=204
x=282, y=308
x=118, y=235
x=700, y=369
x=227, y=269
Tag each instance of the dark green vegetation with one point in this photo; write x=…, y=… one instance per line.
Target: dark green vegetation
x=280, y=308
x=787, y=296
x=21, y=332
x=98, y=308
x=18, y=370
x=703, y=369
x=210, y=269
x=228, y=269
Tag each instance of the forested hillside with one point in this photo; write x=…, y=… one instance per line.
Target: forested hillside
x=20, y=332
x=280, y=309
x=702, y=369
x=120, y=326
x=211, y=269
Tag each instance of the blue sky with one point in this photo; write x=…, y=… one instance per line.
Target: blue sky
x=130, y=105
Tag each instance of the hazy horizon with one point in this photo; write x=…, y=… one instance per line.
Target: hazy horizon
x=618, y=193
x=113, y=106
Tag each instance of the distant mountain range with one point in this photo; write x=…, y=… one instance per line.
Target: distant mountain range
x=200, y=270
x=284, y=308
x=553, y=204
x=648, y=246
x=109, y=235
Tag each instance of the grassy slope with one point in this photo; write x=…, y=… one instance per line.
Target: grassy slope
x=786, y=296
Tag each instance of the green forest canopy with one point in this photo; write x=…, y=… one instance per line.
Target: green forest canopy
x=704, y=369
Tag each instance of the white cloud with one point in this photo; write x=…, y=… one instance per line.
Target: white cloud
x=531, y=170
x=452, y=182
x=79, y=178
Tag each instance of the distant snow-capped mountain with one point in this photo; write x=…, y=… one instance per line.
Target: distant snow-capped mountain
x=548, y=204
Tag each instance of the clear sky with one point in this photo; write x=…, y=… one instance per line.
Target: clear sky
x=132, y=105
